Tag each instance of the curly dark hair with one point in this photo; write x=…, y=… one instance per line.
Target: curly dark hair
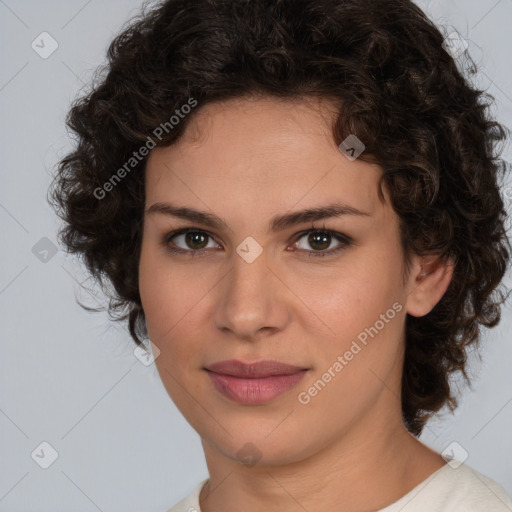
x=395, y=86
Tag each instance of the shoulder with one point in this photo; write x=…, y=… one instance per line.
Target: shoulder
x=190, y=503
x=460, y=489
x=449, y=489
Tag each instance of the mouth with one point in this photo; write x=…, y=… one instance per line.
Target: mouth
x=254, y=383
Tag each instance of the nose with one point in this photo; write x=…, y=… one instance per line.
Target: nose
x=252, y=299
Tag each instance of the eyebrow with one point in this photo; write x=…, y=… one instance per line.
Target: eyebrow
x=277, y=223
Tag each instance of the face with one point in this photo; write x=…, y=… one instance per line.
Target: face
x=323, y=292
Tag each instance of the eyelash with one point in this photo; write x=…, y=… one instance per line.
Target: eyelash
x=344, y=240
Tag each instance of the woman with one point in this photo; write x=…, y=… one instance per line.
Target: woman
x=297, y=202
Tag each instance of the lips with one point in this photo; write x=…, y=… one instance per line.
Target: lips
x=254, y=383
x=253, y=370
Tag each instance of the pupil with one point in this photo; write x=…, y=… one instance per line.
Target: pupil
x=193, y=238
x=321, y=239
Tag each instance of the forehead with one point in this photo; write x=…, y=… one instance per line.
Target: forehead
x=257, y=128
x=257, y=153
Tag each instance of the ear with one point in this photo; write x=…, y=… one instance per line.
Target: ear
x=429, y=279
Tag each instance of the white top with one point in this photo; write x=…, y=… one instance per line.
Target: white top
x=447, y=490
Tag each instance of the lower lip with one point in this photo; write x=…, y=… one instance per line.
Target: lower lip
x=254, y=391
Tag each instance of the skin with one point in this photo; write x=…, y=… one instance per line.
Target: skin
x=247, y=160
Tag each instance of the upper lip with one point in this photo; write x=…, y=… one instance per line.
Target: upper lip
x=258, y=369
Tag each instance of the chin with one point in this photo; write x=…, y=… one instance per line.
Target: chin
x=260, y=444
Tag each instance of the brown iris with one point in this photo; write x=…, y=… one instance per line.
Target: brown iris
x=319, y=241
x=194, y=237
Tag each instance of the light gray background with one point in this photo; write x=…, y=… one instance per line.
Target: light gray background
x=70, y=378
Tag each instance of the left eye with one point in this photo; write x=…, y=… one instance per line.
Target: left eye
x=321, y=240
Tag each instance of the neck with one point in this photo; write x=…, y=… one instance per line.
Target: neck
x=366, y=468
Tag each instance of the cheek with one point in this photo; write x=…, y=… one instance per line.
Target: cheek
x=362, y=311
x=157, y=286
x=168, y=301
x=355, y=300
x=166, y=293
x=173, y=298
x=363, y=356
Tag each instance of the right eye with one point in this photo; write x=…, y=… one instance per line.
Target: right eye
x=194, y=241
